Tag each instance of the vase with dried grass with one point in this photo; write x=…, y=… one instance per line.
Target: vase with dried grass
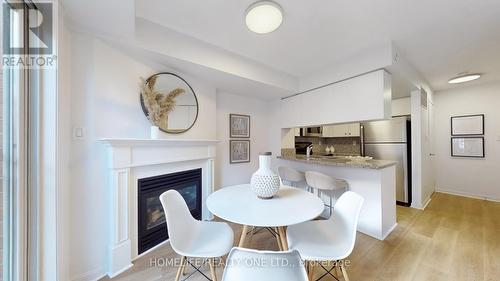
x=157, y=105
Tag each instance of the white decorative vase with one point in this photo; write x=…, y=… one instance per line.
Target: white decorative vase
x=155, y=132
x=265, y=183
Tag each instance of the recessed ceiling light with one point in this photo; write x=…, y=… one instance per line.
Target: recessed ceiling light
x=464, y=78
x=264, y=17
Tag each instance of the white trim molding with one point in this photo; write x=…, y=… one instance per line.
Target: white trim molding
x=468, y=195
x=131, y=159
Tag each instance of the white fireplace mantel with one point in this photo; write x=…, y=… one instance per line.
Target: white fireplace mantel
x=157, y=142
x=131, y=159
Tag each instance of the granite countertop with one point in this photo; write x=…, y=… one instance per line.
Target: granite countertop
x=340, y=161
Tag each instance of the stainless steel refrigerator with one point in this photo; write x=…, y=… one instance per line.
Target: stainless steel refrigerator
x=391, y=140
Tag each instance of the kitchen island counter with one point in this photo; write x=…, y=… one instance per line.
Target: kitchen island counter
x=341, y=161
x=374, y=180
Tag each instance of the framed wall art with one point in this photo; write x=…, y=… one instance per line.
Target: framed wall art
x=467, y=147
x=467, y=125
x=239, y=151
x=239, y=126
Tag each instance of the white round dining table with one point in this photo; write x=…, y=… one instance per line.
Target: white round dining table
x=238, y=204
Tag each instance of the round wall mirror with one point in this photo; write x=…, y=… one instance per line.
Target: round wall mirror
x=169, y=102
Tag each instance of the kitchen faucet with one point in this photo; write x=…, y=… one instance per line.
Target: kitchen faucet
x=309, y=150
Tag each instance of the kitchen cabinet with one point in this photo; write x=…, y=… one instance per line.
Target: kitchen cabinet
x=327, y=131
x=342, y=130
x=354, y=130
x=333, y=104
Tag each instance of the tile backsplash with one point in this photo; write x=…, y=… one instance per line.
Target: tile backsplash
x=343, y=146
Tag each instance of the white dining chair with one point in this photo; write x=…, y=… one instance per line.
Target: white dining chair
x=251, y=265
x=192, y=238
x=329, y=240
x=325, y=183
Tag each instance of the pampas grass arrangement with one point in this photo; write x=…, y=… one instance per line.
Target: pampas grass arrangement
x=157, y=104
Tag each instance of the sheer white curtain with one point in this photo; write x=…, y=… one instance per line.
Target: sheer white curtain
x=20, y=151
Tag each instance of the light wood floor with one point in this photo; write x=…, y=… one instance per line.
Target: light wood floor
x=455, y=238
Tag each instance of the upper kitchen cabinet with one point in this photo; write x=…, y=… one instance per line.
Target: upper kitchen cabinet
x=328, y=131
x=354, y=130
x=297, y=132
x=366, y=97
x=342, y=130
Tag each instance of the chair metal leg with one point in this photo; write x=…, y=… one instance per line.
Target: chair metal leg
x=211, y=262
x=181, y=268
x=311, y=189
x=328, y=271
x=197, y=269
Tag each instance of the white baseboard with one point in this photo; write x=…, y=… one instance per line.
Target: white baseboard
x=427, y=202
x=99, y=273
x=389, y=231
x=469, y=195
x=416, y=207
x=120, y=271
x=92, y=275
x=422, y=207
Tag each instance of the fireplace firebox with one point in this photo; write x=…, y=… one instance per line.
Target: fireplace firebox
x=152, y=226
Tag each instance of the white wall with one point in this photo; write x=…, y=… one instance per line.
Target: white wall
x=104, y=90
x=361, y=62
x=229, y=174
x=466, y=176
x=64, y=147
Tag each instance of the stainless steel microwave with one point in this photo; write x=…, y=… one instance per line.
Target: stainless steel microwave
x=312, y=131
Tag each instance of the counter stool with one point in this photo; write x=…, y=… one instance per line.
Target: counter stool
x=323, y=182
x=291, y=176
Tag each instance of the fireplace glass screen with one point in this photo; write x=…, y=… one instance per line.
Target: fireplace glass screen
x=152, y=223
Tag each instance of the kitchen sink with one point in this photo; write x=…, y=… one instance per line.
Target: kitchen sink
x=339, y=159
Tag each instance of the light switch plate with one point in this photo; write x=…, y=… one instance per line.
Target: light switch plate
x=78, y=133
x=498, y=138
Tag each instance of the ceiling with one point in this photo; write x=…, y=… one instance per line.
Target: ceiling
x=439, y=38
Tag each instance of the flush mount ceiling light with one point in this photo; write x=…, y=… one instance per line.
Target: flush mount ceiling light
x=264, y=17
x=461, y=78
